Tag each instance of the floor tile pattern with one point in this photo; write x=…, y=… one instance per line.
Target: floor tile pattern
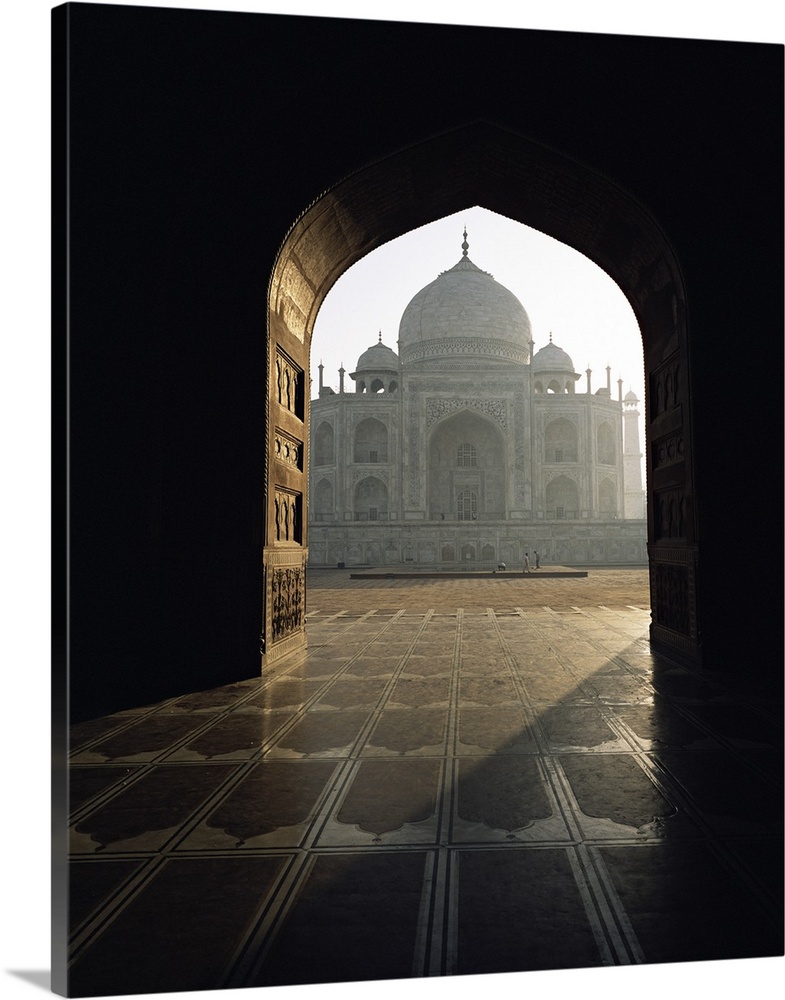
x=427, y=792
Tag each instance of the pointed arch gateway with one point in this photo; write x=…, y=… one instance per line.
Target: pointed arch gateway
x=466, y=468
x=504, y=172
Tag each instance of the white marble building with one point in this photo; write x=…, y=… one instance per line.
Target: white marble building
x=468, y=448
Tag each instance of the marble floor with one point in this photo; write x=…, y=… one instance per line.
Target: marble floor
x=429, y=791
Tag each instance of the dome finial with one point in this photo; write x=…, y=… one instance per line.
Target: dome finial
x=550, y=338
x=380, y=336
x=465, y=245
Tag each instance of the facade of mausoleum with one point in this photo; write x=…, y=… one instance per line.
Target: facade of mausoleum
x=467, y=447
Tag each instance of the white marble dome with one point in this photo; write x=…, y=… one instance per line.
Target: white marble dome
x=378, y=357
x=464, y=315
x=552, y=359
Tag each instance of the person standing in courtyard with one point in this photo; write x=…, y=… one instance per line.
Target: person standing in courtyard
x=526, y=562
x=536, y=559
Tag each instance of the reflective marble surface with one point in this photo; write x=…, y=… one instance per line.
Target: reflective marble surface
x=429, y=791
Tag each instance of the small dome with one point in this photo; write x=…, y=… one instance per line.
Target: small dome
x=378, y=358
x=630, y=397
x=552, y=359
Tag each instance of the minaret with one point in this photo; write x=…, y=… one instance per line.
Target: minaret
x=341, y=372
x=634, y=496
x=321, y=378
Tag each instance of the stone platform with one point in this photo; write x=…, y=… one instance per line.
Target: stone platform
x=552, y=572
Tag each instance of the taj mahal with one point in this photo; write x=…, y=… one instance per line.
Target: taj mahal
x=467, y=448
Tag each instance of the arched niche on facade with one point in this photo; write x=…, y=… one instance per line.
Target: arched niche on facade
x=370, y=441
x=561, y=440
x=502, y=171
x=607, y=498
x=466, y=452
x=324, y=444
x=606, y=444
x=562, y=499
x=323, y=498
x=370, y=499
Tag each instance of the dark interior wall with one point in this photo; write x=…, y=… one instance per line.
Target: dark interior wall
x=196, y=140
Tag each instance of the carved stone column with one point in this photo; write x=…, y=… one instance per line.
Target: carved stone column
x=673, y=550
x=286, y=496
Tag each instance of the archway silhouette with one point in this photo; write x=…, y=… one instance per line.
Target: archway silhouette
x=504, y=172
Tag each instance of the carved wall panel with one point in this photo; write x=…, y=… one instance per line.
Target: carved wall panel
x=472, y=346
x=288, y=449
x=435, y=409
x=670, y=514
x=284, y=602
x=371, y=472
x=287, y=595
x=288, y=516
x=548, y=476
x=672, y=597
x=478, y=384
x=561, y=413
x=289, y=384
x=667, y=450
x=665, y=388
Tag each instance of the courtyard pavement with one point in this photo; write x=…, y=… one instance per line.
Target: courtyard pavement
x=456, y=777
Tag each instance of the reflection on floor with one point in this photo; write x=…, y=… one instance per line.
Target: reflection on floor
x=428, y=794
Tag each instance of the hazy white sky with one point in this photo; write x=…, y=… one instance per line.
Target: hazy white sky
x=563, y=292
